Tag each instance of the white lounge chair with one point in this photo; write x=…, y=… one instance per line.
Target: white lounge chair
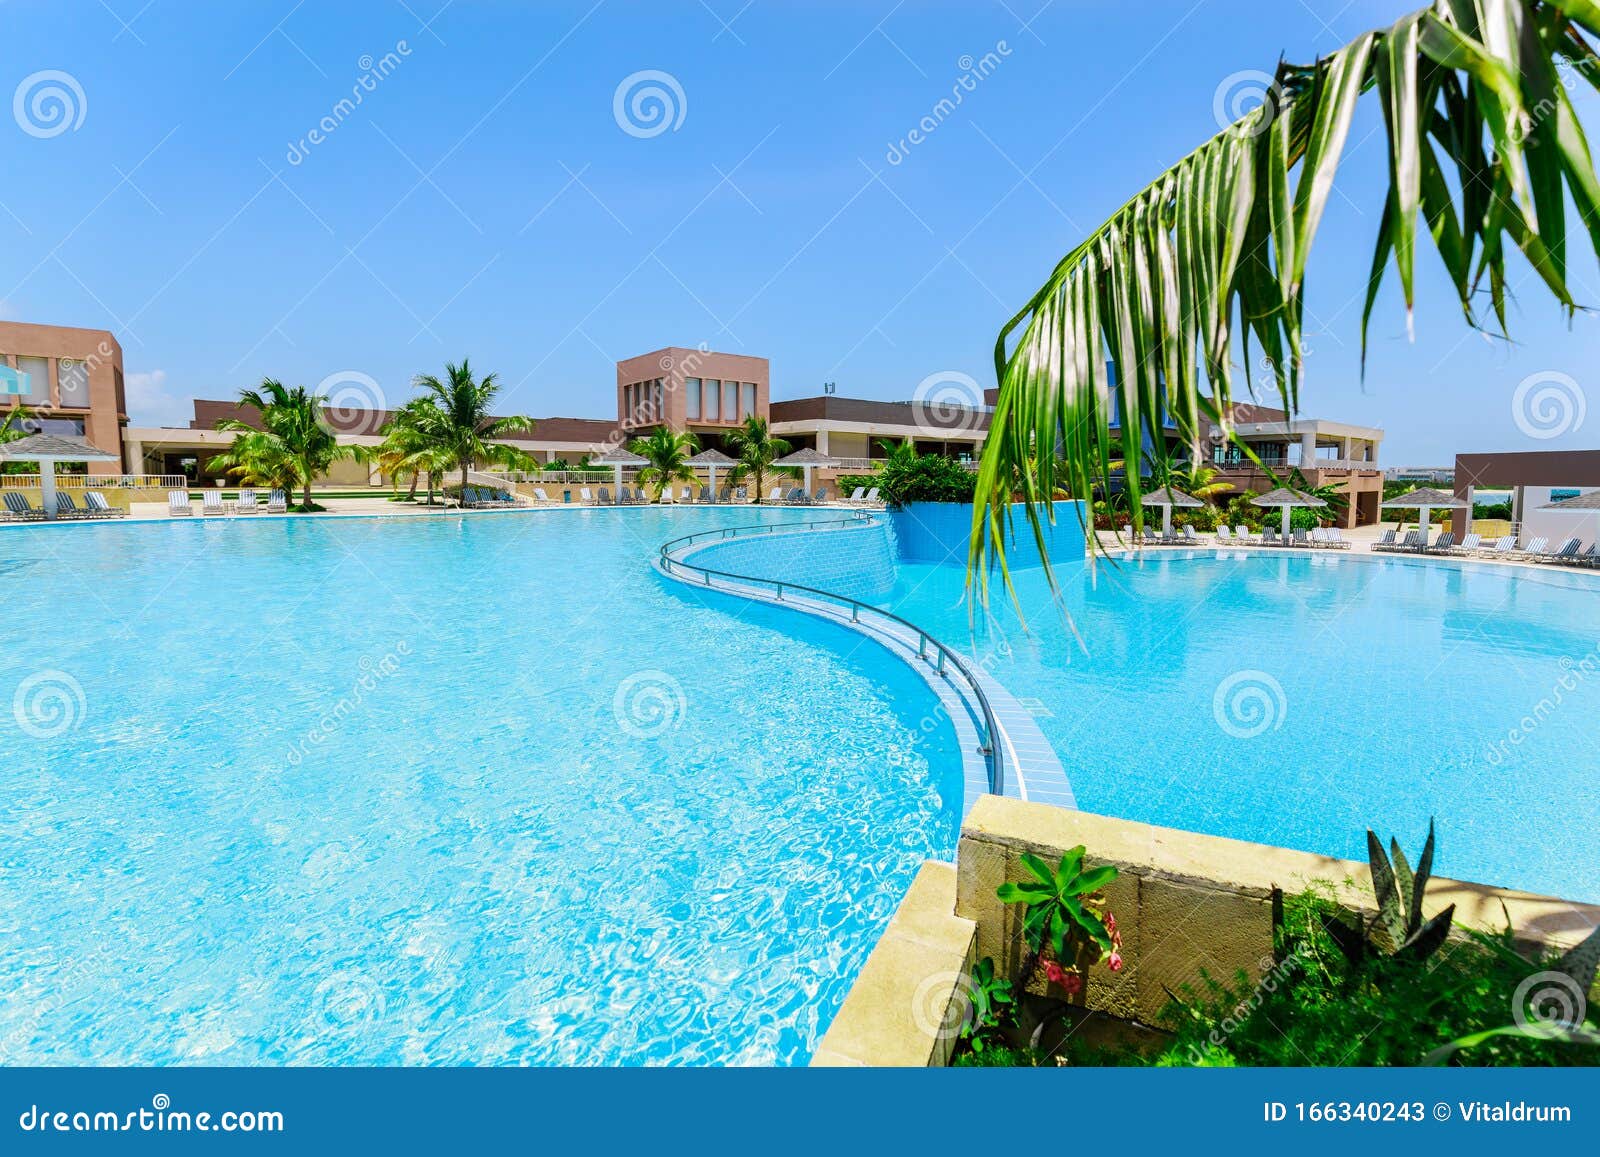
x=1503, y=547
x=1189, y=536
x=856, y=496
x=1224, y=534
x=586, y=496
x=178, y=504
x=98, y=507
x=872, y=497
x=247, y=501
x=1242, y=533
x=211, y=502
x=539, y=493
x=1469, y=544
x=1566, y=553
x=1336, y=539
x=776, y=495
x=277, y=502
x=1539, y=546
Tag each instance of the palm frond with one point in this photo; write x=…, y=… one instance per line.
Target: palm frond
x=1138, y=324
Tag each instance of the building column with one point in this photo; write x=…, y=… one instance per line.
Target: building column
x=1308, y=449
x=822, y=441
x=133, y=456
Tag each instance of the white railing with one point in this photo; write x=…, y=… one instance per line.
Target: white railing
x=1341, y=464
x=98, y=482
x=858, y=465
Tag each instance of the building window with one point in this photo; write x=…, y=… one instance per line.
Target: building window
x=38, y=371
x=730, y=401
x=747, y=399
x=691, y=398
x=713, y=402
x=658, y=402
x=72, y=382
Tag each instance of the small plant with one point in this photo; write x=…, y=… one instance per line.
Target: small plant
x=1065, y=922
x=1399, y=929
x=991, y=1008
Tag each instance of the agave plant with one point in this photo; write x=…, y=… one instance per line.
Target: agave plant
x=1484, y=144
x=1399, y=929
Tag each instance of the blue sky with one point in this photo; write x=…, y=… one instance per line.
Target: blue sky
x=484, y=200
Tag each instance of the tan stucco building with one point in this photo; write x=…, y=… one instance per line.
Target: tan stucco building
x=74, y=383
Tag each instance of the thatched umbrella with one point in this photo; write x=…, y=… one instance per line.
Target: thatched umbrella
x=806, y=459
x=713, y=460
x=47, y=450
x=1167, y=498
x=617, y=458
x=1424, y=500
x=1288, y=499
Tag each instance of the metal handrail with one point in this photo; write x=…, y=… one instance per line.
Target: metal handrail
x=943, y=657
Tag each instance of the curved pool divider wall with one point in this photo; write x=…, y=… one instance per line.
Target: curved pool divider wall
x=1002, y=748
x=1184, y=902
x=857, y=565
x=941, y=532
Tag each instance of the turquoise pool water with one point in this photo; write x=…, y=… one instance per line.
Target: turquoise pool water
x=1298, y=699
x=438, y=791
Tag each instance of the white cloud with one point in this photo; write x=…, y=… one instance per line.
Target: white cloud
x=150, y=403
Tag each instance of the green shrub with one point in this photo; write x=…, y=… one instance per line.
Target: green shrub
x=909, y=478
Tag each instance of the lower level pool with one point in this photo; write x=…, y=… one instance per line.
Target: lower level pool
x=438, y=790
x=1300, y=698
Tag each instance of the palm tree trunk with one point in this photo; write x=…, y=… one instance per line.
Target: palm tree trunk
x=411, y=494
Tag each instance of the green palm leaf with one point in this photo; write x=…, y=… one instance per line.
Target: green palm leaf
x=1484, y=145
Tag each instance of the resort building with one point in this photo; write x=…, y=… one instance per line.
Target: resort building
x=1535, y=479
x=69, y=379
x=1328, y=454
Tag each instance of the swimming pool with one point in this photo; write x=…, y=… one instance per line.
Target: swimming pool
x=1299, y=698
x=439, y=790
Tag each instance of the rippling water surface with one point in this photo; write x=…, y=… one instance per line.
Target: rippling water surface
x=438, y=791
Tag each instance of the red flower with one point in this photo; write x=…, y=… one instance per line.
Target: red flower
x=1071, y=983
x=1115, y=963
x=1054, y=972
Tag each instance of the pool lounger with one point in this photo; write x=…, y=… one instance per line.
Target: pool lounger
x=1567, y=553
x=247, y=503
x=98, y=507
x=178, y=504
x=19, y=509
x=277, y=503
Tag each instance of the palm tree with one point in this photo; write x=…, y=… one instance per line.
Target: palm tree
x=1484, y=143
x=411, y=446
x=668, y=454
x=1333, y=494
x=463, y=429
x=756, y=449
x=292, y=445
x=1196, y=481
